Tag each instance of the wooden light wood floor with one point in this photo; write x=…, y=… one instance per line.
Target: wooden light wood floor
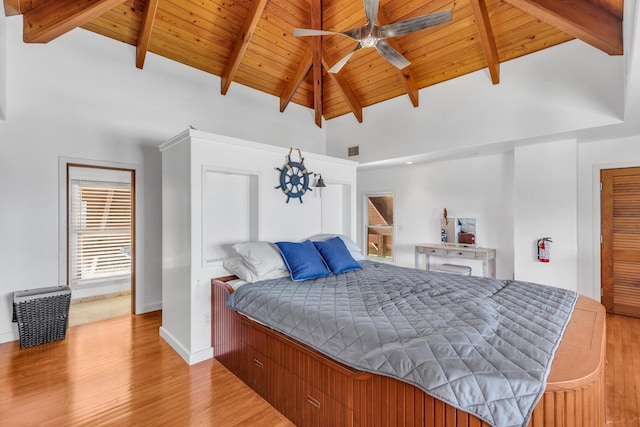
x=623, y=371
x=120, y=372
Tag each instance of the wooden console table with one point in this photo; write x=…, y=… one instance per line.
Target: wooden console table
x=486, y=255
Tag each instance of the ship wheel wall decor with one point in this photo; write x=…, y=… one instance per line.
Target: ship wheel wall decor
x=294, y=178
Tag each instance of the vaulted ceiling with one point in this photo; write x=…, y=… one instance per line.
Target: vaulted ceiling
x=251, y=42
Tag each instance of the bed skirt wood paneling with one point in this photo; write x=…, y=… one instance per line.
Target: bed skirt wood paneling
x=313, y=390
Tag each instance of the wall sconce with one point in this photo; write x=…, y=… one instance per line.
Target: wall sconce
x=319, y=181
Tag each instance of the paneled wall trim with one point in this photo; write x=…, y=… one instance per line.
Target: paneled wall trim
x=218, y=190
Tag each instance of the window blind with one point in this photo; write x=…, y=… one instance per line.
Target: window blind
x=100, y=231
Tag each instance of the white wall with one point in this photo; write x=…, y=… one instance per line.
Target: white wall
x=477, y=187
x=193, y=253
x=82, y=97
x=545, y=205
x=568, y=87
x=539, y=190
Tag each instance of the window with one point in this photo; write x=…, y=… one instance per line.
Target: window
x=100, y=232
x=379, y=226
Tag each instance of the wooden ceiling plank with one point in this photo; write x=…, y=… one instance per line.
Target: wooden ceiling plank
x=221, y=42
x=197, y=14
x=55, y=18
x=487, y=40
x=441, y=36
x=580, y=19
x=288, y=45
x=294, y=83
x=234, y=11
x=316, y=53
x=338, y=11
x=148, y=18
x=210, y=63
x=349, y=97
x=113, y=31
x=373, y=94
x=180, y=40
x=122, y=16
x=273, y=62
x=268, y=67
x=240, y=47
x=293, y=13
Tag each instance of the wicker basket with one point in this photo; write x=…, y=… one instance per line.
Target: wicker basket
x=42, y=314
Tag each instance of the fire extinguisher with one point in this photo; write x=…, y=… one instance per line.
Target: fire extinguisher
x=544, y=246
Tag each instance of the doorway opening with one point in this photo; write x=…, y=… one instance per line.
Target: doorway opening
x=379, y=226
x=100, y=242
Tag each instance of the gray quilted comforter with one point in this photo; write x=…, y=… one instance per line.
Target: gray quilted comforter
x=481, y=345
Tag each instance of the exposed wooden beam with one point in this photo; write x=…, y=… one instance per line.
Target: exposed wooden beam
x=55, y=18
x=294, y=83
x=316, y=53
x=144, y=34
x=239, y=49
x=410, y=86
x=486, y=39
x=406, y=77
x=344, y=87
x=13, y=7
x=580, y=19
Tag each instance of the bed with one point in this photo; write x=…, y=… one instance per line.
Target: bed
x=312, y=386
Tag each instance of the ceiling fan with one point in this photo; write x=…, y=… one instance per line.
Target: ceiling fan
x=373, y=35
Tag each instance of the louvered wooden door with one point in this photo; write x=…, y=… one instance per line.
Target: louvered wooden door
x=620, y=250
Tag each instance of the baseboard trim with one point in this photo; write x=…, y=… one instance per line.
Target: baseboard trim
x=100, y=297
x=190, y=358
x=152, y=307
x=9, y=336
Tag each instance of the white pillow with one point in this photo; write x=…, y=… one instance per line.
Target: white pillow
x=261, y=257
x=238, y=267
x=353, y=248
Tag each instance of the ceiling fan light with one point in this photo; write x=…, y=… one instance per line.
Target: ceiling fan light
x=369, y=41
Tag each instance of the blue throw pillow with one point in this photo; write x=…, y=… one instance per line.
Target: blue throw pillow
x=336, y=255
x=303, y=260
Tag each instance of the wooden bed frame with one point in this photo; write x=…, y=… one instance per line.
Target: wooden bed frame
x=312, y=390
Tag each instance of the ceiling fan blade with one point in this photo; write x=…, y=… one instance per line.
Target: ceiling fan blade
x=371, y=10
x=338, y=65
x=392, y=55
x=414, y=24
x=302, y=32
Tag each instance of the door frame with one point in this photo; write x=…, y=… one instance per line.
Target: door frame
x=137, y=291
x=607, y=289
x=596, y=223
x=606, y=295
